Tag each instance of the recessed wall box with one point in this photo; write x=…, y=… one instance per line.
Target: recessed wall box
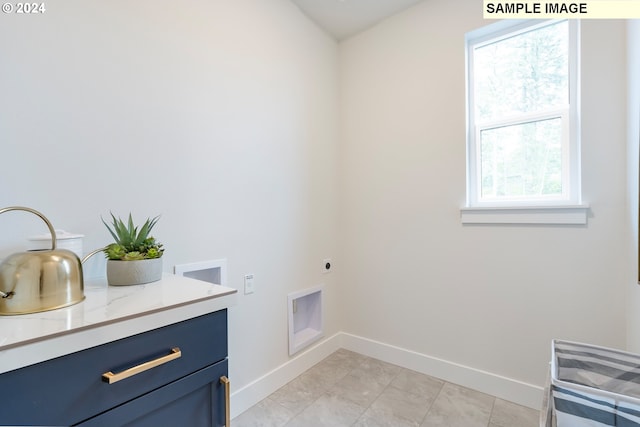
x=305, y=318
x=214, y=271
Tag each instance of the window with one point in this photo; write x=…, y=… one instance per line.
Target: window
x=522, y=99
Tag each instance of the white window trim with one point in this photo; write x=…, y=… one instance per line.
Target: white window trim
x=576, y=215
x=568, y=209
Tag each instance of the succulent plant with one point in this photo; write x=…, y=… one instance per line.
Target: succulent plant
x=131, y=244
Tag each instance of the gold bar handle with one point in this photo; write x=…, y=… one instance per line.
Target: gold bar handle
x=111, y=378
x=227, y=400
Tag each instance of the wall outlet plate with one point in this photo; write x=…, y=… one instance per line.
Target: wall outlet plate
x=248, y=284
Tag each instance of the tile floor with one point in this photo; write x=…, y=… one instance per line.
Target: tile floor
x=349, y=389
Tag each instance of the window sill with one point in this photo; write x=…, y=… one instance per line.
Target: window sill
x=574, y=214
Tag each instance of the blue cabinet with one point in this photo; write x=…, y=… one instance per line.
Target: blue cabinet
x=170, y=376
x=196, y=400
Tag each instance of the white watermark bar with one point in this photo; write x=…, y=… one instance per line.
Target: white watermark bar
x=586, y=9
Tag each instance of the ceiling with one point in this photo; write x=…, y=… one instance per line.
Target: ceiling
x=344, y=18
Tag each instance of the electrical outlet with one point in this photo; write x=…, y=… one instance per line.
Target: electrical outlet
x=326, y=265
x=248, y=284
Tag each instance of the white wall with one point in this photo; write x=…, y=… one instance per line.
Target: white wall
x=218, y=115
x=487, y=297
x=633, y=138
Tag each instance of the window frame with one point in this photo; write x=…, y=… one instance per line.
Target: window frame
x=571, y=197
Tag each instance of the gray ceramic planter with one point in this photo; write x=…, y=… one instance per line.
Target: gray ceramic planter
x=122, y=273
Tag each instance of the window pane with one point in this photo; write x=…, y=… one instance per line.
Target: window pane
x=522, y=74
x=523, y=160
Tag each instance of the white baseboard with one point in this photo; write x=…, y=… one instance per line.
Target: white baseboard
x=515, y=391
x=505, y=388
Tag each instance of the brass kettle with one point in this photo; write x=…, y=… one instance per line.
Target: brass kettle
x=39, y=280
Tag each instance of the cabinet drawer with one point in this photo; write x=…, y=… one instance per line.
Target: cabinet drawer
x=197, y=400
x=70, y=389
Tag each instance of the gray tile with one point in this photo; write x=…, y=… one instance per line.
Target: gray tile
x=358, y=388
x=305, y=389
x=371, y=419
x=329, y=410
x=458, y=406
x=266, y=413
x=333, y=368
x=378, y=370
x=417, y=383
x=398, y=407
x=346, y=358
x=507, y=414
x=298, y=394
x=324, y=377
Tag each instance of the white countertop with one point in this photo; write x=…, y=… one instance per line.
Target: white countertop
x=108, y=313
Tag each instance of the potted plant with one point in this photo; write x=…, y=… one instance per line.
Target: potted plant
x=135, y=257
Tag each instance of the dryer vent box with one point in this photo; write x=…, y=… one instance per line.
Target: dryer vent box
x=305, y=318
